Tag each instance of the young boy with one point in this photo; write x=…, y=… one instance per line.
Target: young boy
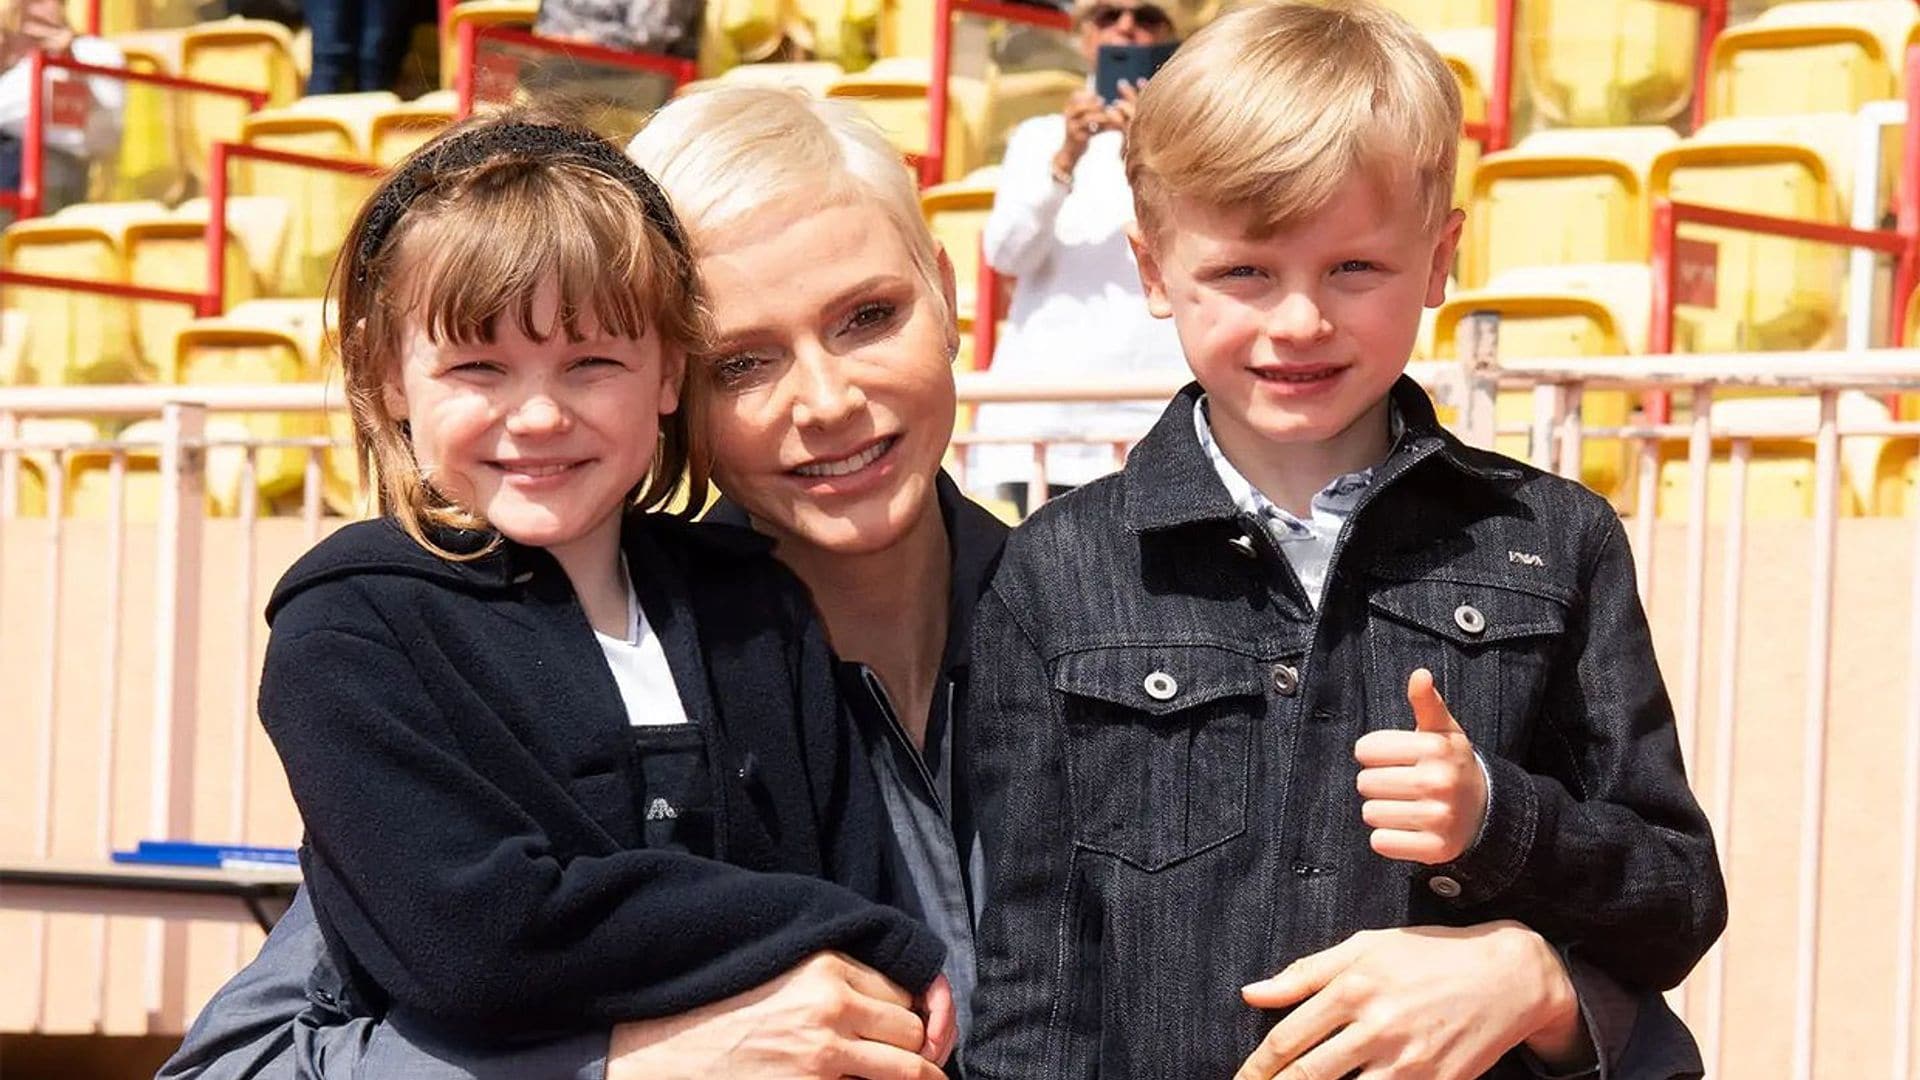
x=1299, y=569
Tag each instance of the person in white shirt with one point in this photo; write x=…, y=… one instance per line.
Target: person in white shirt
x=83, y=114
x=1059, y=226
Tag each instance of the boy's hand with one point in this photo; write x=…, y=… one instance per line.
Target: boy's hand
x=1425, y=793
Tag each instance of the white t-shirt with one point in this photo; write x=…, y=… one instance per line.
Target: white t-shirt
x=640, y=670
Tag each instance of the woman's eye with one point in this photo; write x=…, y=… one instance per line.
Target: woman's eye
x=734, y=370
x=868, y=316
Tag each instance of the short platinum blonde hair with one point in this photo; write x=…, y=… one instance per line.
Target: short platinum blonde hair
x=728, y=154
x=1278, y=105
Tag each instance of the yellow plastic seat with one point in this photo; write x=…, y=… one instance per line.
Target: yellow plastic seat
x=148, y=165
x=1469, y=55
x=259, y=224
x=32, y=498
x=355, y=111
x=222, y=351
x=1769, y=293
x=896, y=101
x=1781, y=478
x=322, y=202
x=1014, y=97
x=401, y=130
x=1569, y=196
x=249, y=53
x=170, y=252
x=906, y=28
x=813, y=76
x=842, y=31
x=13, y=345
x=89, y=475
x=1829, y=56
x=77, y=337
x=1434, y=15
x=1607, y=63
x=957, y=213
x=1597, y=310
x=516, y=14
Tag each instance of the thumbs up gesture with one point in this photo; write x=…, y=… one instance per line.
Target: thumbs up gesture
x=1425, y=793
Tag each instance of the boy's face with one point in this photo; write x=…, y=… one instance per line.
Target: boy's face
x=1298, y=334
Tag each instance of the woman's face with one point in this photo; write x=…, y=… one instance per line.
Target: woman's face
x=829, y=400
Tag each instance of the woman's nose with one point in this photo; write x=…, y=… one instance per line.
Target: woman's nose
x=826, y=396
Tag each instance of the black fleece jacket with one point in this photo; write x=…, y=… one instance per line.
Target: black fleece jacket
x=460, y=755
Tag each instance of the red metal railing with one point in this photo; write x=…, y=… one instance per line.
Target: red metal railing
x=218, y=159
x=680, y=70
x=933, y=163
x=1496, y=131
x=27, y=201
x=212, y=300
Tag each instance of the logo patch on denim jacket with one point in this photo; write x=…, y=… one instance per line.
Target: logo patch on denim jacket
x=661, y=810
x=1525, y=558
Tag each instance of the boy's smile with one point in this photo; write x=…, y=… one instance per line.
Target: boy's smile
x=1298, y=334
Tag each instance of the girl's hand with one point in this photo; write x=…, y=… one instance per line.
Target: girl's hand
x=1426, y=794
x=943, y=1028
x=829, y=1017
x=1438, y=1003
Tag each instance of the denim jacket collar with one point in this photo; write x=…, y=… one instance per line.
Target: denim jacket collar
x=1170, y=483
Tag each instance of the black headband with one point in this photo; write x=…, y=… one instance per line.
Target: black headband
x=542, y=141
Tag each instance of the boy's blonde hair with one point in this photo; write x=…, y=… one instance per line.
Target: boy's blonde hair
x=1279, y=104
x=726, y=154
x=475, y=243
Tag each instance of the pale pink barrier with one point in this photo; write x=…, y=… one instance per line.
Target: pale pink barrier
x=1790, y=661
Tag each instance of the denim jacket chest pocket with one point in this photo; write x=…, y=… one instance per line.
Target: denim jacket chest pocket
x=1158, y=747
x=1490, y=645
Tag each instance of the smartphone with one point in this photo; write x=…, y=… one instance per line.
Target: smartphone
x=1127, y=63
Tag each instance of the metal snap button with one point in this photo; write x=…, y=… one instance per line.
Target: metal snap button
x=1160, y=686
x=1444, y=886
x=1243, y=545
x=1286, y=680
x=1468, y=618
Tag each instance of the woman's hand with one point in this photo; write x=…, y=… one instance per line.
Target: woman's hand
x=1085, y=115
x=1119, y=115
x=829, y=1017
x=1437, y=1003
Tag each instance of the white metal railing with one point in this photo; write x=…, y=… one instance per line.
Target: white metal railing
x=1710, y=695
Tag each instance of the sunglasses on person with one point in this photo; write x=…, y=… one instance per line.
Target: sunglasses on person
x=1149, y=17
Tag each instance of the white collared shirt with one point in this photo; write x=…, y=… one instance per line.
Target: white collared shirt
x=1308, y=545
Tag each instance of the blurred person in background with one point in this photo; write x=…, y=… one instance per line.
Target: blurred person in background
x=83, y=114
x=357, y=44
x=1059, y=225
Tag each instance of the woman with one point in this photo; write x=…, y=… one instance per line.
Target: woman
x=828, y=408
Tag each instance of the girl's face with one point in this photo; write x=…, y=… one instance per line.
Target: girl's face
x=831, y=389
x=544, y=439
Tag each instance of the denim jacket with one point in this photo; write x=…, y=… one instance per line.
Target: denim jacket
x=1163, y=733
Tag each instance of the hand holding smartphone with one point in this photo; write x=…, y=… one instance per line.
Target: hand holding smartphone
x=1131, y=64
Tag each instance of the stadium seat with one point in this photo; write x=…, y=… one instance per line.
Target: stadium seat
x=897, y=102
x=957, y=213
x=1596, y=310
x=1469, y=55
x=401, y=130
x=1781, y=479
x=1608, y=63
x=1810, y=57
x=148, y=165
x=518, y=14
x=356, y=111
x=813, y=76
x=32, y=499
x=45, y=464
x=322, y=202
x=77, y=337
x=841, y=31
x=170, y=252
x=250, y=53
x=223, y=351
x=1436, y=15
x=1566, y=196
x=13, y=345
x=906, y=28
x=1769, y=293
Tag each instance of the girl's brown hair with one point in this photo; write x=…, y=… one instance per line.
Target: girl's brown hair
x=464, y=233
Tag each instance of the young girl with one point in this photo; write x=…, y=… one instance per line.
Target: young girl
x=561, y=763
